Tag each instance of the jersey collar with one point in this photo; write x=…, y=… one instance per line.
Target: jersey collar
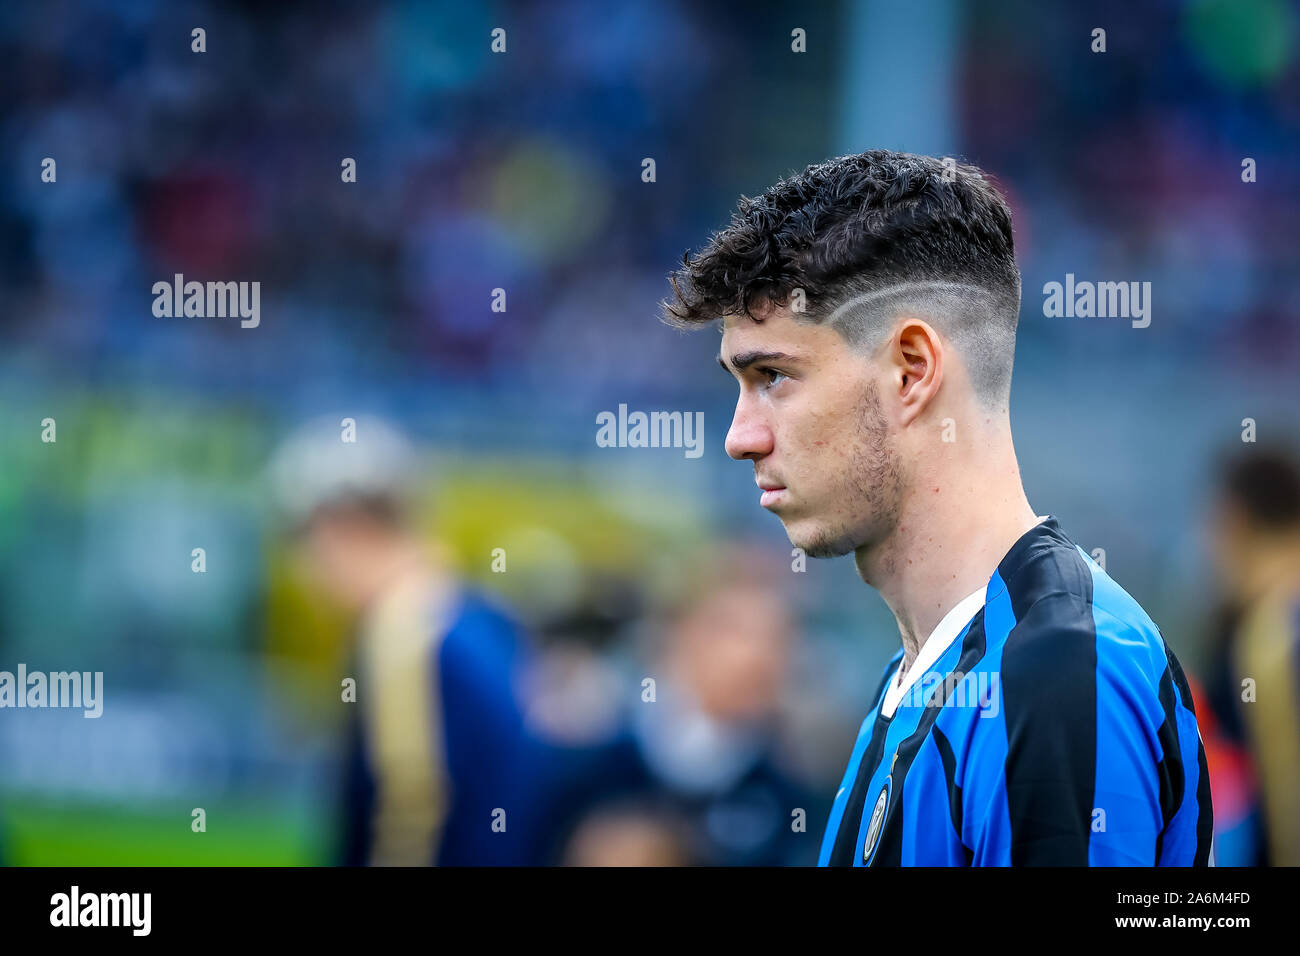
x=948, y=629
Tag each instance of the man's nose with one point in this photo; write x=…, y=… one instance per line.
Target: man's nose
x=749, y=435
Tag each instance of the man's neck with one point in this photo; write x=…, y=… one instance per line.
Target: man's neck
x=1272, y=568
x=405, y=566
x=951, y=535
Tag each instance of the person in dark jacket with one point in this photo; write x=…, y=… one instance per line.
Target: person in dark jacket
x=439, y=767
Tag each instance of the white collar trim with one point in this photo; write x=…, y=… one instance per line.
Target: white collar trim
x=940, y=640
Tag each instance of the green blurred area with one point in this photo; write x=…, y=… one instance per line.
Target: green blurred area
x=238, y=834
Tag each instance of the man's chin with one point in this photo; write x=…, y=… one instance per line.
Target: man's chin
x=818, y=542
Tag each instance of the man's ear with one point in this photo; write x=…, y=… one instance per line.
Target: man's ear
x=916, y=358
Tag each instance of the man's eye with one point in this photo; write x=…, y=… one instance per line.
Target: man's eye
x=772, y=376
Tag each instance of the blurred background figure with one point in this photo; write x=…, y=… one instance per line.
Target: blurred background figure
x=438, y=767
x=698, y=772
x=630, y=833
x=1253, y=677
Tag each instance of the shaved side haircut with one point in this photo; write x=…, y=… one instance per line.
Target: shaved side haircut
x=857, y=242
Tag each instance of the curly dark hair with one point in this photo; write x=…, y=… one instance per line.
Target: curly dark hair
x=856, y=225
x=884, y=213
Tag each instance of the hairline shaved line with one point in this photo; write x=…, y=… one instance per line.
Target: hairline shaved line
x=946, y=300
x=903, y=288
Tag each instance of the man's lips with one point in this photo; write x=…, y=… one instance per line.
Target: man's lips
x=772, y=492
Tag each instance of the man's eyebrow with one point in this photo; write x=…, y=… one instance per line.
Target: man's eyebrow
x=745, y=359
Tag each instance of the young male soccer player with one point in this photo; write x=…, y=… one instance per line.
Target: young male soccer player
x=1035, y=714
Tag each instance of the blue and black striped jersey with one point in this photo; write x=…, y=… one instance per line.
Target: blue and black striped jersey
x=1056, y=729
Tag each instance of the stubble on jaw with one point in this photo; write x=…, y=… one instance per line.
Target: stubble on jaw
x=871, y=487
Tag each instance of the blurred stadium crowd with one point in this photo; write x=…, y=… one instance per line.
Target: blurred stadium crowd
x=522, y=171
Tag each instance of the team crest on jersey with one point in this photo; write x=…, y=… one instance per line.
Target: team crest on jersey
x=877, y=822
